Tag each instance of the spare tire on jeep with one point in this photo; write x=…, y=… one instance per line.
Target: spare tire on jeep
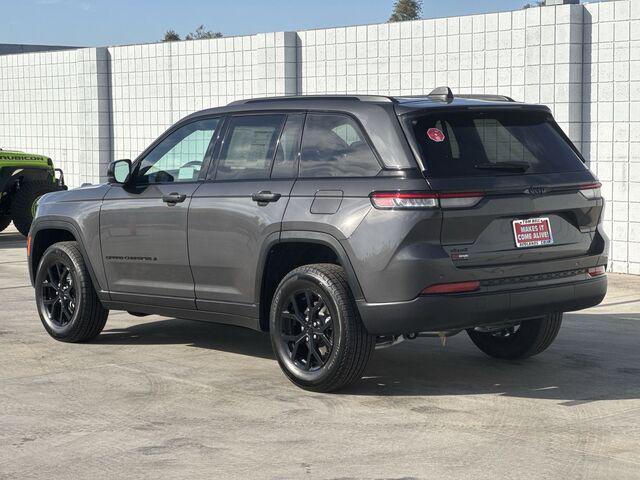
x=24, y=178
x=24, y=203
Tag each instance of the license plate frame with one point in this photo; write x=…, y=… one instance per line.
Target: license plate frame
x=532, y=232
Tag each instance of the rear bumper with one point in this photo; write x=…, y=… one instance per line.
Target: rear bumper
x=453, y=311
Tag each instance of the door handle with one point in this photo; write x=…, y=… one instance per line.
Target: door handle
x=174, y=198
x=265, y=196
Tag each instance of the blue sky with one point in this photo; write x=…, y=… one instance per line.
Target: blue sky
x=114, y=22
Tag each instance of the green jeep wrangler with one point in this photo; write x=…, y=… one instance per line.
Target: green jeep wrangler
x=24, y=178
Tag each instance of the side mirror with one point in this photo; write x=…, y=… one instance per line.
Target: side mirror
x=119, y=171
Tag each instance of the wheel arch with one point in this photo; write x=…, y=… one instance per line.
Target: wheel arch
x=46, y=233
x=281, y=254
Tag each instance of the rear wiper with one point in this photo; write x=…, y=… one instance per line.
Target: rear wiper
x=515, y=166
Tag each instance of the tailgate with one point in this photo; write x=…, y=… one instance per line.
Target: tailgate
x=485, y=234
x=529, y=195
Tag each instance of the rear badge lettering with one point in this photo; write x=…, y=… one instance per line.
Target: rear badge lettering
x=459, y=254
x=535, y=191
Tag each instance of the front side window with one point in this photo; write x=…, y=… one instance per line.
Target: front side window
x=488, y=143
x=180, y=156
x=334, y=146
x=249, y=147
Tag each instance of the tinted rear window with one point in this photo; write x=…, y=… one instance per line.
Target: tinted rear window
x=473, y=143
x=334, y=146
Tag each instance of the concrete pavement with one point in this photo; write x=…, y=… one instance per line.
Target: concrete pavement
x=166, y=398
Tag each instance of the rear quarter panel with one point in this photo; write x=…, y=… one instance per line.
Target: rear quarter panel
x=379, y=244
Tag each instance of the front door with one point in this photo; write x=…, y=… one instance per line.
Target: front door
x=143, y=226
x=240, y=209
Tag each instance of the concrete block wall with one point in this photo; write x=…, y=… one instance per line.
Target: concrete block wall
x=532, y=55
x=86, y=107
x=611, y=120
x=54, y=103
x=154, y=85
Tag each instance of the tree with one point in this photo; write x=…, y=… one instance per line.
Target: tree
x=540, y=3
x=406, y=10
x=171, y=36
x=202, y=34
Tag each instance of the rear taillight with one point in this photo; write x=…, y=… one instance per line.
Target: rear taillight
x=597, y=271
x=458, y=287
x=419, y=200
x=591, y=191
x=402, y=200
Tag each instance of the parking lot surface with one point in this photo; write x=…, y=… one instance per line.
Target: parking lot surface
x=167, y=398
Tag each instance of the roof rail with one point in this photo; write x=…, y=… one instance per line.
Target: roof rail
x=357, y=98
x=487, y=96
x=445, y=94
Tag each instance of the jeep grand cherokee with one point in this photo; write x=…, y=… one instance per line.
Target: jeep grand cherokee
x=336, y=224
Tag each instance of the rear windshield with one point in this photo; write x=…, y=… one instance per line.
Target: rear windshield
x=477, y=143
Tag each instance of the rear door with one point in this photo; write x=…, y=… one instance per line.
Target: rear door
x=239, y=209
x=531, y=198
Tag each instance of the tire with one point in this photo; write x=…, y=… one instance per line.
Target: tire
x=85, y=317
x=530, y=338
x=5, y=220
x=342, y=345
x=23, y=200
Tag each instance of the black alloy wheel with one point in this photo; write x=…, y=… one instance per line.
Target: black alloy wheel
x=67, y=301
x=307, y=330
x=58, y=294
x=317, y=335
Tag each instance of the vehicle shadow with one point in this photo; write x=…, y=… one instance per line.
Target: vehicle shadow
x=12, y=239
x=594, y=358
x=173, y=331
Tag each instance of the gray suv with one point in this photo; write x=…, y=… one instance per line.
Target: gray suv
x=338, y=224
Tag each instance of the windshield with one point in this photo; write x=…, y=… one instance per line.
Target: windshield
x=491, y=142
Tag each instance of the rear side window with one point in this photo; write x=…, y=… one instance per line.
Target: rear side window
x=334, y=146
x=249, y=147
x=472, y=143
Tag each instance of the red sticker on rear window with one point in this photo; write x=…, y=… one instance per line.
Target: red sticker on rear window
x=435, y=134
